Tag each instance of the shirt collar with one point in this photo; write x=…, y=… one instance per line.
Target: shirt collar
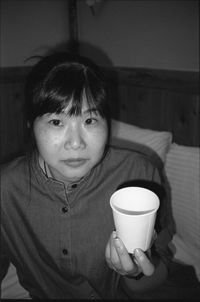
x=70, y=186
x=45, y=174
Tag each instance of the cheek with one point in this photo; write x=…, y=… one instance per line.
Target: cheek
x=99, y=141
x=103, y=135
x=46, y=141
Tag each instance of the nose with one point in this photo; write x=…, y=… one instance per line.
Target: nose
x=74, y=137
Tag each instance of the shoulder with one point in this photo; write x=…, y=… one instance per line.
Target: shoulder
x=123, y=156
x=14, y=170
x=14, y=186
x=136, y=163
x=138, y=148
x=127, y=163
x=134, y=168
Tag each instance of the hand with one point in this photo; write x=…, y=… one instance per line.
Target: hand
x=118, y=259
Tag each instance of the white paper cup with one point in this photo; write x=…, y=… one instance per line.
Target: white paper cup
x=134, y=213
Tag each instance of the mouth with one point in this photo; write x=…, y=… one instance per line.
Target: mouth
x=75, y=162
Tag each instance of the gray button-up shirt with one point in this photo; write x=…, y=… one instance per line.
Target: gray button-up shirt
x=56, y=235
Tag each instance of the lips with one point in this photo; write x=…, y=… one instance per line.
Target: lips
x=75, y=162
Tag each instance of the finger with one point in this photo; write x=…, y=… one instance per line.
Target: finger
x=143, y=261
x=107, y=250
x=114, y=255
x=107, y=253
x=127, y=265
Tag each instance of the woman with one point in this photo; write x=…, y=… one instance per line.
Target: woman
x=57, y=224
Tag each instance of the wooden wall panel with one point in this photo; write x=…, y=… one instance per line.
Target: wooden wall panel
x=11, y=119
x=160, y=100
x=185, y=119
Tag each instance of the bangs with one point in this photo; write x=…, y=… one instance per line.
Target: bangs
x=70, y=87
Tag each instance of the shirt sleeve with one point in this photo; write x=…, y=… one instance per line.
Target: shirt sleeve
x=149, y=173
x=164, y=226
x=155, y=179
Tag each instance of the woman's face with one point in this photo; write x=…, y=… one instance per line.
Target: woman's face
x=71, y=145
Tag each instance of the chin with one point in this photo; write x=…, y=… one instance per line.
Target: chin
x=74, y=177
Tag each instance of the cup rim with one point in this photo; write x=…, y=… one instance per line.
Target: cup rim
x=127, y=214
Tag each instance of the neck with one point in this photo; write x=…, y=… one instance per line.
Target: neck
x=49, y=173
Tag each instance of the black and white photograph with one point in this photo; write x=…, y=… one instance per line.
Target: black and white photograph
x=99, y=150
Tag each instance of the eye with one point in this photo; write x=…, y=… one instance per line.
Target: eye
x=56, y=122
x=91, y=121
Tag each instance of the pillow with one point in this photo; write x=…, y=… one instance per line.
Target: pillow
x=158, y=141
x=184, y=254
x=10, y=286
x=183, y=171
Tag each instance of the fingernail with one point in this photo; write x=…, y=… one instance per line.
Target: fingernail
x=118, y=244
x=138, y=253
x=114, y=234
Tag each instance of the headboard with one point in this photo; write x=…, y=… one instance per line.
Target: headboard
x=154, y=99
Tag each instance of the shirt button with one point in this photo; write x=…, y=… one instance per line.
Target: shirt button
x=74, y=186
x=65, y=210
x=92, y=297
x=65, y=251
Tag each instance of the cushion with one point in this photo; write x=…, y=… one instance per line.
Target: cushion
x=182, y=168
x=183, y=253
x=158, y=141
x=183, y=171
x=10, y=286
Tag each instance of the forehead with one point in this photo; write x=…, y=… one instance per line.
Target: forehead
x=85, y=108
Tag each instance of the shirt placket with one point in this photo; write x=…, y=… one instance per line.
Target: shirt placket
x=66, y=213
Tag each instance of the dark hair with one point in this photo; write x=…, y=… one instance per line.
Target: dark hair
x=60, y=78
